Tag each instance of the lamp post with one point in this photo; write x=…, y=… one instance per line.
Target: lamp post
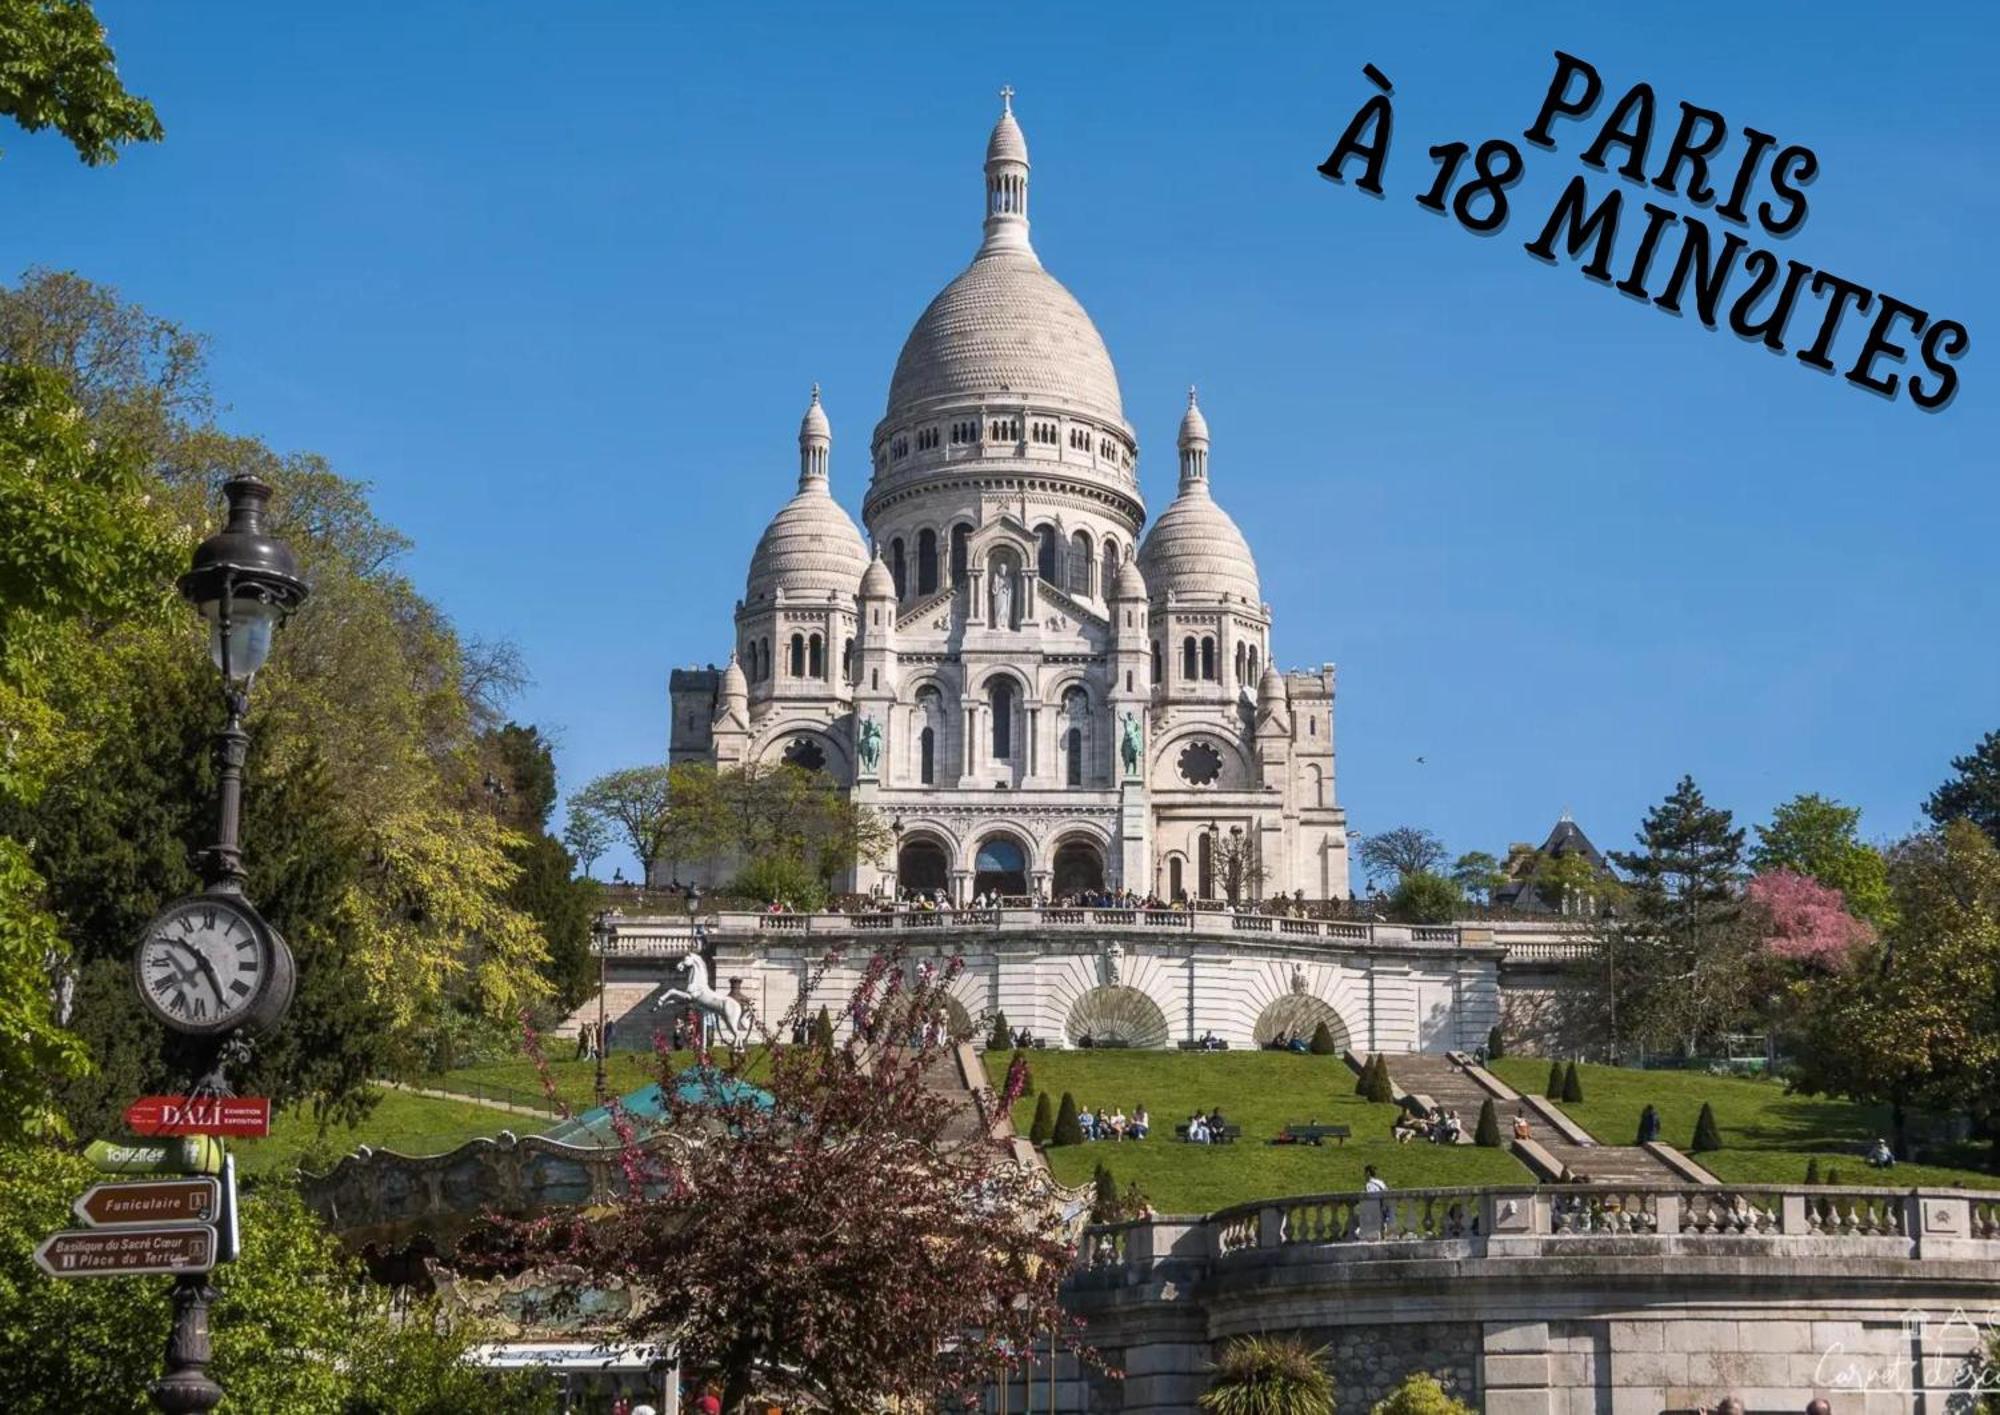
x=896, y=873
x=698, y=943
x=601, y=930
x=244, y=582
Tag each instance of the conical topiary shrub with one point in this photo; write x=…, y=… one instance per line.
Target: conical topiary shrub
x=1045, y=1120
x=1269, y=1375
x=1833, y=1174
x=1067, y=1131
x=1382, y=1091
x=1488, y=1133
x=1364, y=1079
x=1495, y=1044
x=822, y=1032
x=1812, y=1170
x=1572, y=1085
x=1001, y=1037
x=1104, y=1203
x=1554, y=1090
x=1707, y=1135
x=1322, y=1043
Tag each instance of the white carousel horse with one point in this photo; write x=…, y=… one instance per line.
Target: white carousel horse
x=734, y=1021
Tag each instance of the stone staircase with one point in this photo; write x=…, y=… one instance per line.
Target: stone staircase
x=1572, y=1152
x=627, y=1007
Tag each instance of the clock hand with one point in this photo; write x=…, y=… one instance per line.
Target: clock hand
x=209, y=968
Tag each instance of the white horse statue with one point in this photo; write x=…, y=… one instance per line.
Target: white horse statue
x=734, y=1021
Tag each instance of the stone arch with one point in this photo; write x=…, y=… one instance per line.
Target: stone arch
x=1298, y=1014
x=780, y=744
x=1238, y=768
x=1001, y=863
x=923, y=862
x=1117, y=1013
x=1076, y=865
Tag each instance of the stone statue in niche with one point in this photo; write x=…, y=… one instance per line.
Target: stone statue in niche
x=1003, y=597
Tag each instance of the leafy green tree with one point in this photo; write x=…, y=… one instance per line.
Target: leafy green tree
x=296, y=1328
x=1572, y=1085
x=1974, y=793
x=1322, y=1043
x=587, y=836
x=1477, y=874
x=1820, y=839
x=780, y=879
x=1067, y=1131
x=1424, y=898
x=1569, y=884
x=1269, y=1375
x=1914, y=1020
x=637, y=802
x=1402, y=851
x=1683, y=961
x=1707, y=1134
x=1488, y=1131
x=60, y=73
x=1044, y=1124
x=521, y=784
x=1420, y=1394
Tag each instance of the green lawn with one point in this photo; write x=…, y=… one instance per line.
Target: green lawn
x=1261, y=1091
x=575, y=1081
x=411, y=1125
x=1767, y=1135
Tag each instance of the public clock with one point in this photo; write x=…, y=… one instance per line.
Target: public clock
x=210, y=964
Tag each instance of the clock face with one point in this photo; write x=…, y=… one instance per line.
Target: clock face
x=208, y=964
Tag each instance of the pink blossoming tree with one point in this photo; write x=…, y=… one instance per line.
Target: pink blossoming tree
x=1804, y=921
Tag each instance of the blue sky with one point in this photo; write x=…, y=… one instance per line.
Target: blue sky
x=556, y=280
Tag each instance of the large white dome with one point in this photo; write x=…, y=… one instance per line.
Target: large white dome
x=1005, y=329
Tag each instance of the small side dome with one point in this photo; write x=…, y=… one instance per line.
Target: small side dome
x=1271, y=688
x=1195, y=550
x=1194, y=427
x=1008, y=143
x=811, y=549
x=1130, y=584
x=735, y=686
x=876, y=581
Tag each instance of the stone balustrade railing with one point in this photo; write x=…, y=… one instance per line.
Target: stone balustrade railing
x=1795, y=1221
x=641, y=936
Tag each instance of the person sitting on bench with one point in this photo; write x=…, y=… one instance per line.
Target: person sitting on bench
x=1216, y=1125
x=1197, y=1129
x=1140, y=1123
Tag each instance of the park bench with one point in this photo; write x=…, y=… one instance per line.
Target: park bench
x=1195, y=1045
x=1312, y=1134
x=1227, y=1135
x=1105, y=1043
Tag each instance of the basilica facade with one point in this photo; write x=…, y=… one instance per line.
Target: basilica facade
x=1042, y=695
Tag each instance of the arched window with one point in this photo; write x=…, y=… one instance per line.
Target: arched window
x=960, y=534
x=1073, y=748
x=798, y=655
x=1081, y=562
x=1242, y=662
x=847, y=662
x=927, y=564
x=896, y=566
x=1174, y=890
x=1109, y=577
x=1318, y=785
x=1045, y=554
x=1189, y=670
x=764, y=660
x=1205, y=871
x=1253, y=663
x=1207, y=660
x=815, y=658
x=1000, y=700
x=1157, y=674
x=927, y=757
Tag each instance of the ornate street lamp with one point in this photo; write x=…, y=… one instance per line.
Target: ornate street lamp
x=208, y=966
x=602, y=929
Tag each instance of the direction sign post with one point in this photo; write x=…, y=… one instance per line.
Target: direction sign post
x=127, y=1252
x=197, y=1200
